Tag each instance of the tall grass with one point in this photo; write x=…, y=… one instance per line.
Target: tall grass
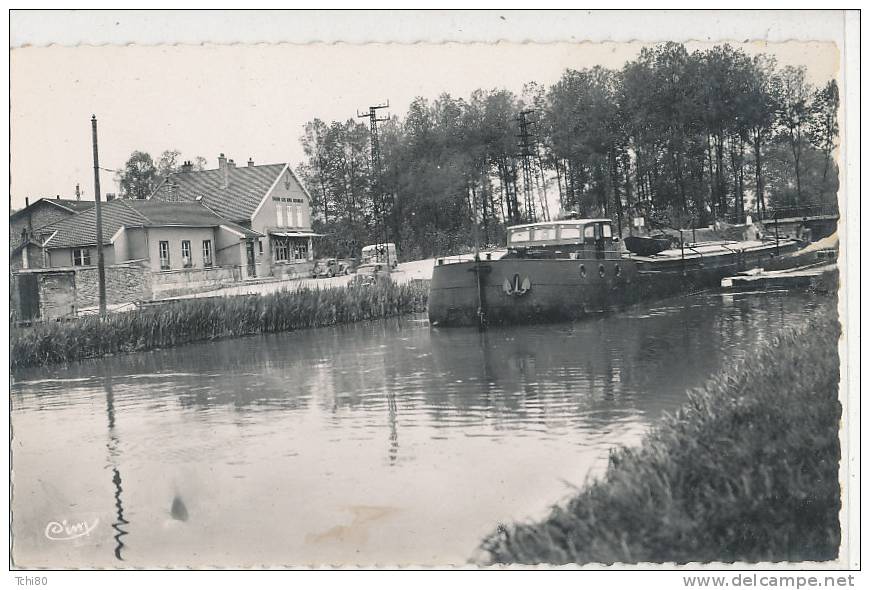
x=193, y=320
x=745, y=471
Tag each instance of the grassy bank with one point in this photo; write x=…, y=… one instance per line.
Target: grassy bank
x=194, y=320
x=745, y=471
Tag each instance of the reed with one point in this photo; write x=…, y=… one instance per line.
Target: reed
x=192, y=320
x=746, y=471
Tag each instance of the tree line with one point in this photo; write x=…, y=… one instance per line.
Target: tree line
x=679, y=137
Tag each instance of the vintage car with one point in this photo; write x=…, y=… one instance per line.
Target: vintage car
x=329, y=268
x=372, y=274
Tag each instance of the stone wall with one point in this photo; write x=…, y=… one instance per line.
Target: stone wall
x=67, y=291
x=125, y=282
x=43, y=294
x=32, y=253
x=57, y=294
x=195, y=280
x=295, y=270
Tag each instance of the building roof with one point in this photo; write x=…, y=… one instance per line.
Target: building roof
x=70, y=205
x=187, y=214
x=81, y=229
x=247, y=187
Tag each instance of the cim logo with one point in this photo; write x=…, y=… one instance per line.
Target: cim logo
x=515, y=287
x=66, y=531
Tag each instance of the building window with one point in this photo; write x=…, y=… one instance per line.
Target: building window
x=82, y=257
x=280, y=213
x=260, y=245
x=300, y=250
x=282, y=253
x=186, y=258
x=206, y=253
x=164, y=255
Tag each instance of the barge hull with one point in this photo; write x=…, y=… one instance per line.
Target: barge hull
x=521, y=290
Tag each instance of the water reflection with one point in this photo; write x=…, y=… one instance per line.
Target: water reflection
x=279, y=442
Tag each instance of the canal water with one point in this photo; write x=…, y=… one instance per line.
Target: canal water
x=377, y=443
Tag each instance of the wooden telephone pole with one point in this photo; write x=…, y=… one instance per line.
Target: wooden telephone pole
x=101, y=266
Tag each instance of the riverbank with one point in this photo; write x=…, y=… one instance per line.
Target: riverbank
x=746, y=471
x=193, y=320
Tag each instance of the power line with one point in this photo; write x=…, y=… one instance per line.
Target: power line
x=382, y=199
x=526, y=139
x=529, y=153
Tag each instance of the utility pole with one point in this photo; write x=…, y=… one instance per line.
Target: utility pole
x=101, y=267
x=527, y=139
x=380, y=195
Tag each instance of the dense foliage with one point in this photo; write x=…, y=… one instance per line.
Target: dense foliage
x=681, y=137
x=141, y=175
x=192, y=320
x=746, y=471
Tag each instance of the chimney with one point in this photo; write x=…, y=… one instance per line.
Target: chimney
x=57, y=197
x=110, y=197
x=231, y=163
x=224, y=165
x=78, y=192
x=250, y=162
x=26, y=201
x=186, y=167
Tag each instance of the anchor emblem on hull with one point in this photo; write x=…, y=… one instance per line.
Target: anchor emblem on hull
x=515, y=287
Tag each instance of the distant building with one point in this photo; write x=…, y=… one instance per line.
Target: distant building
x=151, y=250
x=266, y=199
x=25, y=227
x=169, y=236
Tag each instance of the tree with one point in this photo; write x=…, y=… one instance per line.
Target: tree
x=139, y=176
x=824, y=126
x=167, y=164
x=759, y=111
x=315, y=170
x=794, y=114
x=671, y=135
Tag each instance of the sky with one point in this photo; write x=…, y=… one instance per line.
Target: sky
x=252, y=101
